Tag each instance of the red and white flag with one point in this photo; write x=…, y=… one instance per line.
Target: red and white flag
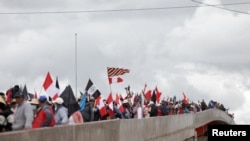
x=111, y=106
x=49, y=87
x=101, y=105
x=119, y=103
x=184, y=100
x=112, y=71
x=115, y=80
x=158, y=94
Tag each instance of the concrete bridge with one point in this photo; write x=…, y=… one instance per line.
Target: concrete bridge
x=183, y=127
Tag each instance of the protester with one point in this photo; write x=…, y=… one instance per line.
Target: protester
x=61, y=112
x=137, y=110
x=164, y=108
x=6, y=114
x=146, y=111
x=153, y=109
x=106, y=115
x=35, y=105
x=75, y=118
x=158, y=106
x=97, y=114
x=3, y=96
x=117, y=111
x=44, y=116
x=24, y=115
x=2, y=116
x=127, y=109
x=203, y=105
x=13, y=105
x=87, y=112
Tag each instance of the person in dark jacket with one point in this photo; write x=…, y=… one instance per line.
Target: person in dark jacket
x=6, y=115
x=97, y=114
x=153, y=109
x=203, y=105
x=164, y=108
x=88, y=112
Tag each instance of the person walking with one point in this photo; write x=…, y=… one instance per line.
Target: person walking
x=23, y=116
x=44, y=116
x=61, y=112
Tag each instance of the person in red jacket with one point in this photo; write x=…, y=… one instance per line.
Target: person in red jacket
x=45, y=115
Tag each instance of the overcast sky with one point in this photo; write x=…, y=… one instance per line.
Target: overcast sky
x=201, y=51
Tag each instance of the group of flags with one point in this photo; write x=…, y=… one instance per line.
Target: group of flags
x=52, y=90
x=114, y=76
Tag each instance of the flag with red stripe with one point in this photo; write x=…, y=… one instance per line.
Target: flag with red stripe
x=119, y=103
x=101, y=105
x=49, y=87
x=184, y=100
x=115, y=80
x=112, y=71
x=158, y=95
x=110, y=104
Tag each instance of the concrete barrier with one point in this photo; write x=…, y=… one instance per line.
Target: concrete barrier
x=166, y=128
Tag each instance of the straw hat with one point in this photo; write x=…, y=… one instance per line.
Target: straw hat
x=34, y=101
x=2, y=101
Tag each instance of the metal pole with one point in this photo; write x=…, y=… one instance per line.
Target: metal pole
x=76, y=65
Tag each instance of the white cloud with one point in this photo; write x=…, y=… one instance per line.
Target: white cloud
x=203, y=53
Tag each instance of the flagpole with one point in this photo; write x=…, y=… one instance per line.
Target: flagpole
x=76, y=65
x=108, y=82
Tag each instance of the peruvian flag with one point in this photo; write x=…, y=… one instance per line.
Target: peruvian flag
x=115, y=79
x=101, y=105
x=49, y=87
x=158, y=94
x=119, y=103
x=184, y=100
x=148, y=94
x=111, y=106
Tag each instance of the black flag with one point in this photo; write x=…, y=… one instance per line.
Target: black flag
x=25, y=93
x=70, y=101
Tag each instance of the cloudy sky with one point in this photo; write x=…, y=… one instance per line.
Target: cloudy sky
x=201, y=51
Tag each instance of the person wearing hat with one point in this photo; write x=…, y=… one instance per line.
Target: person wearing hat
x=2, y=115
x=24, y=115
x=153, y=110
x=44, y=116
x=2, y=95
x=88, y=112
x=35, y=105
x=127, y=113
x=137, y=110
x=6, y=113
x=106, y=115
x=13, y=105
x=61, y=112
x=164, y=108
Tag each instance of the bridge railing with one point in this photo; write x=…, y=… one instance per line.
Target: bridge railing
x=165, y=128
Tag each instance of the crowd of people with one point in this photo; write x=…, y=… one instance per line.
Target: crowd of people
x=22, y=114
